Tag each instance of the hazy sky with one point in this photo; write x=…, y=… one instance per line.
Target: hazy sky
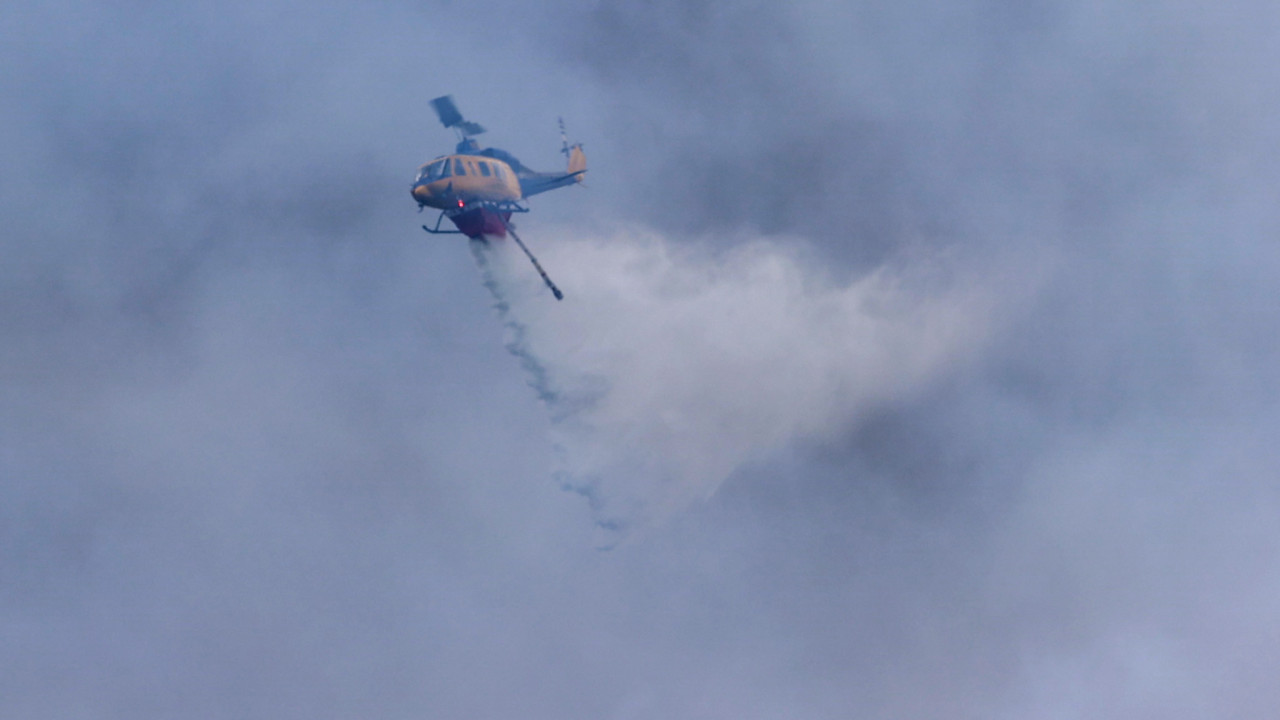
x=918, y=359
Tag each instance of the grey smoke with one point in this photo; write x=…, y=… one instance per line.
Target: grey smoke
x=263, y=453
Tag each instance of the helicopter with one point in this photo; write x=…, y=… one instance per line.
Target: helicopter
x=479, y=189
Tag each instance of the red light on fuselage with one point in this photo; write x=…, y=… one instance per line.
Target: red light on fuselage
x=460, y=203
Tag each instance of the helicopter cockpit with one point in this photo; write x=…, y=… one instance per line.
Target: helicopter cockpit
x=434, y=171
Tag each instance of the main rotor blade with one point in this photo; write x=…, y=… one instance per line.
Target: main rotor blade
x=446, y=110
x=450, y=116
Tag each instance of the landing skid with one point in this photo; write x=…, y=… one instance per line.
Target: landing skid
x=437, y=231
x=499, y=211
x=505, y=206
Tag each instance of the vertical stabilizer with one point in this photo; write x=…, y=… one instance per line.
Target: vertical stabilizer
x=577, y=161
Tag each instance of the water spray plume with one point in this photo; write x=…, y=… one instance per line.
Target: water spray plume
x=678, y=368
x=517, y=342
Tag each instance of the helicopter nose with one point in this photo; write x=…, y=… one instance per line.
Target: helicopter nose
x=421, y=193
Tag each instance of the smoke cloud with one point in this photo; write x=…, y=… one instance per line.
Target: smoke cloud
x=924, y=355
x=672, y=367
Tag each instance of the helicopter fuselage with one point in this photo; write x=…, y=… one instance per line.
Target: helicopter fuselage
x=452, y=182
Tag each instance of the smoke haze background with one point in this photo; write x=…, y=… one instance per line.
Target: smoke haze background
x=263, y=453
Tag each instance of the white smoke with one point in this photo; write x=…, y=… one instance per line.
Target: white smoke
x=668, y=368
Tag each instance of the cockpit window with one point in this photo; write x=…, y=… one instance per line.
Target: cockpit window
x=458, y=168
x=434, y=171
x=484, y=168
